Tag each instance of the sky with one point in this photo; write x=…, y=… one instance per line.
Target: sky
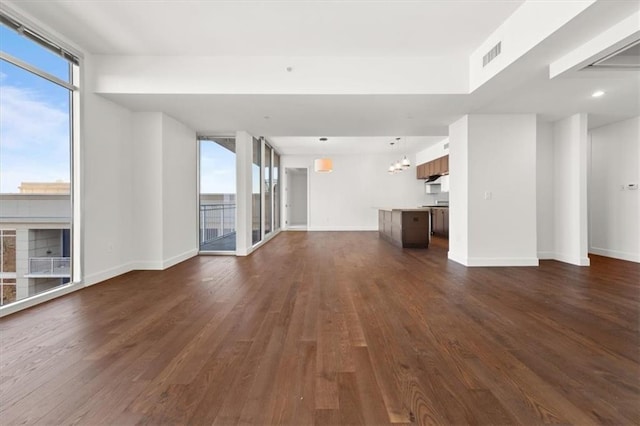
x=217, y=169
x=34, y=116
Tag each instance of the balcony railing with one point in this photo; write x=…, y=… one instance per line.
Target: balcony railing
x=216, y=221
x=49, y=267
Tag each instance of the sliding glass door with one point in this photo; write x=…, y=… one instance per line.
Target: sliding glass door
x=268, y=191
x=256, y=192
x=217, y=194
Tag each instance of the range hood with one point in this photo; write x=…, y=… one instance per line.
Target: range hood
x=437, y=183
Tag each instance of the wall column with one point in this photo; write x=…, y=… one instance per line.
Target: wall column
x=492, y=162
x=570, y=190
x=244, y=158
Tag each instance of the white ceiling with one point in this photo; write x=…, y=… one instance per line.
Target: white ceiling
x=354, y=145
x=306, y=115
x=354, y=123
x=274, y=27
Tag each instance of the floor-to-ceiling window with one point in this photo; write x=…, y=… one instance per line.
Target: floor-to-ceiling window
x=268, y=190
x=217, y=201
x=38, y=97
x=256, y=196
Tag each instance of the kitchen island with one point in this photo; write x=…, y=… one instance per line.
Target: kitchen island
x=406, y=228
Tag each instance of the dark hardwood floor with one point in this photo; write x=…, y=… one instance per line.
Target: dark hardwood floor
x=332, y=328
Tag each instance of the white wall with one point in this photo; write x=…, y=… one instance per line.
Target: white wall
x=458, y=190
x=164, y=182
x=545, y=190
x=267, y=75
x=140, y=206
x=146, y=181
x=614, y=212
x=179, y=192
x=347, y=198
x=500, y=190
x=107, y=193
x=502, y=161
x=570, y=189
x=435, y=151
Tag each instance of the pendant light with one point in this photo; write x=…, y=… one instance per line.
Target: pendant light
x=405, y=161
x=323, y=165
x=398, y=165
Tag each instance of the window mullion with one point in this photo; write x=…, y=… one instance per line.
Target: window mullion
x=25, y=66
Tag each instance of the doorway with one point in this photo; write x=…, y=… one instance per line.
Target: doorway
x=296, y=202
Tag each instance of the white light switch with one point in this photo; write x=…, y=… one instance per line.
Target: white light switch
x=487, y=195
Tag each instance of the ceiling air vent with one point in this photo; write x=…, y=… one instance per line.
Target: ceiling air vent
x=492, y=54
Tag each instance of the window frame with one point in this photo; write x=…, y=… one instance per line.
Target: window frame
x=75, y=62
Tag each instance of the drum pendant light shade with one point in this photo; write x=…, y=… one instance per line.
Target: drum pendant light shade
x=323, y=165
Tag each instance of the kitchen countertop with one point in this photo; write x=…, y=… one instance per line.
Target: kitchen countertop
x=411, y=209
x=405, y=209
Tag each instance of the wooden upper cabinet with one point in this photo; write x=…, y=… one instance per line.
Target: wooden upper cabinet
x=439, y=166
x=421, y=171
x=445, y=164
x=438, y=170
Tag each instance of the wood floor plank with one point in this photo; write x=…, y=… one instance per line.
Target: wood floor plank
x=332, y=328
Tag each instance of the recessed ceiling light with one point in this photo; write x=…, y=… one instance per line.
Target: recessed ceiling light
x=597, y=94
x=289, y=69
x=323, y=139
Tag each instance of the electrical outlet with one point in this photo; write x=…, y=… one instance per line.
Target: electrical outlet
x=487, y=195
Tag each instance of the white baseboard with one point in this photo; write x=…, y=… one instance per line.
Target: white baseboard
x=244, y=252
x=616, y=254
x=147, y=265
x=159, y=265
x=167, y=263
x=579, y=261
x=502, y=261
x=456, y=258
x=546, y=255
x=493, y=261
x=106, y=274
